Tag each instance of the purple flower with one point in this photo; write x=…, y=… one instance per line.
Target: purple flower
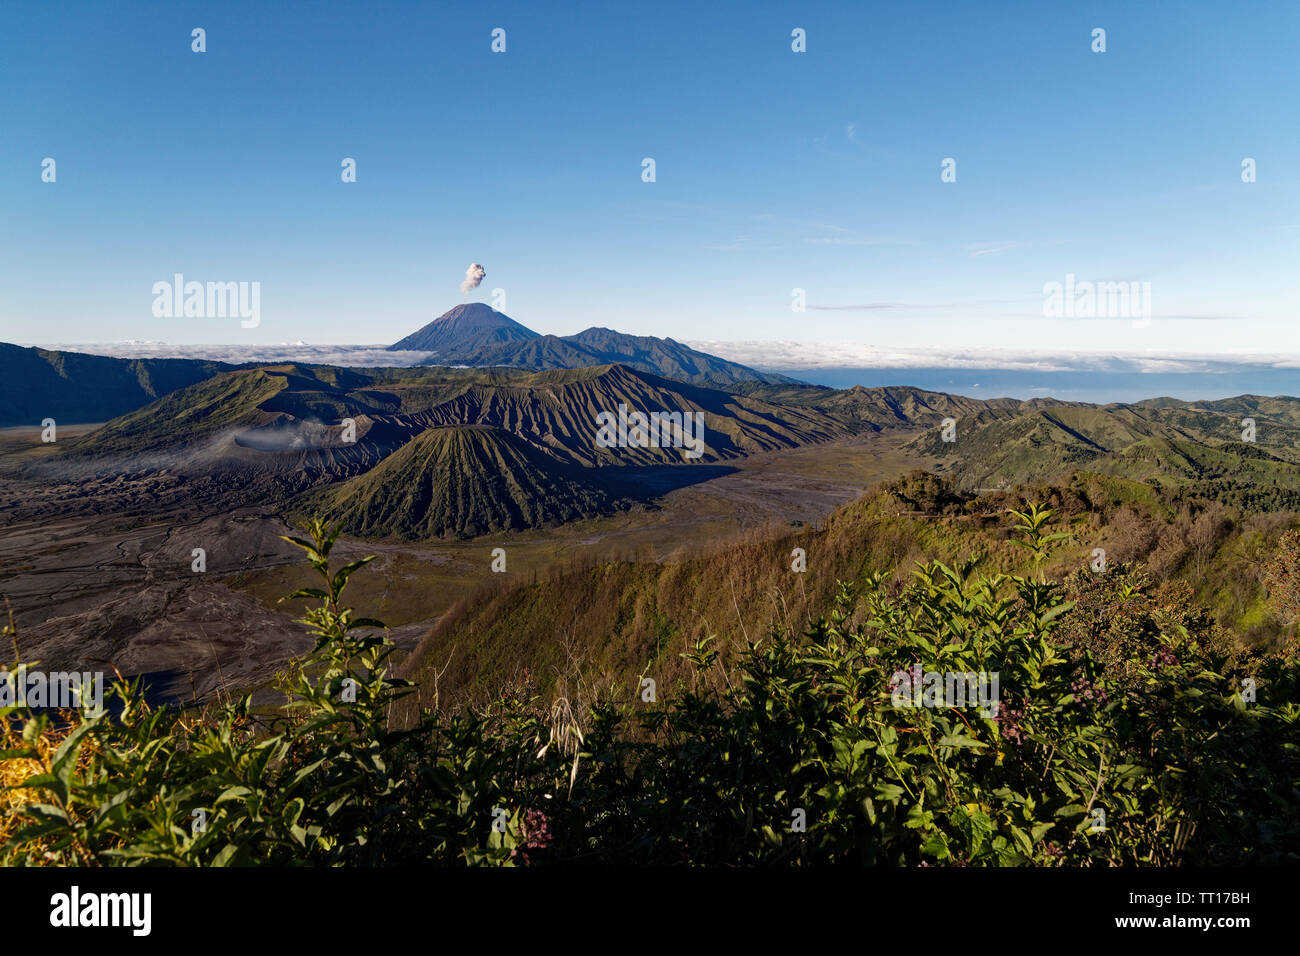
x=1008, y=720
x=1085, y=690
x=535, y=830
x=1164, y=657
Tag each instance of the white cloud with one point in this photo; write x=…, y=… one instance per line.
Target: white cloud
x=793, y=356
x=980, y=250
x=356, y=356
x=860, y=241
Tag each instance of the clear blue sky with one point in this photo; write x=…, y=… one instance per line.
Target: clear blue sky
x=775, y=170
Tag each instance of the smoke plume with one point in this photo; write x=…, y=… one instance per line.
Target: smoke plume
x=473, y=276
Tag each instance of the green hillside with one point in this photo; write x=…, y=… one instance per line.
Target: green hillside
x=559, y=411
x=461, y=481
x=72, y=387
x=743, y=590
x=201, y=411
x=1174, y=445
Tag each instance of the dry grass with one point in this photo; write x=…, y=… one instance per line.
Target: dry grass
x=625, y=619
x=631, y=617
x=14, y=771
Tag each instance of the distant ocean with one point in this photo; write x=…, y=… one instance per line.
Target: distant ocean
x=1099, y=387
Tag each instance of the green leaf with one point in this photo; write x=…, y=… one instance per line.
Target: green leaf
x=345, y=572
x=936, y=845
x=1005, y=854
x=226, y=856
x=305, y=545
x=918, y=818
x=46, y=810
x=65, y=758
x=888, y=792
x=978, y=830
x=1025, y=844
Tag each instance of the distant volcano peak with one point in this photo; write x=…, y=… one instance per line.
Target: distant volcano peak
x=468, y=326
x=478, y=335
x=472, y=309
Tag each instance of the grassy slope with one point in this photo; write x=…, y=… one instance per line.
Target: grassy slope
x=73, y=387
x=1176, y=444
x=463, y=481
x=227, y=400
x=621, y=619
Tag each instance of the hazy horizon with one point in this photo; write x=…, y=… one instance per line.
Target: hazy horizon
x=1099, y=378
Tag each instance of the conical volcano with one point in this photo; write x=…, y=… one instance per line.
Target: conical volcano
x=476, y=335
x=464, y=330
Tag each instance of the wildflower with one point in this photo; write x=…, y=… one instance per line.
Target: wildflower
x=1164, y=657
x=913, y=672
x=1008, y=719
x=1085, y=690
x=535, y=832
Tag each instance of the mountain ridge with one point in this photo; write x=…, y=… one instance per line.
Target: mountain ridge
x=270, y=433
x=477, y=335
x=73, y=387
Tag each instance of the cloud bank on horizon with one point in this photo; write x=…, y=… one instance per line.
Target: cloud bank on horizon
x=786, y=356
x=793, y=356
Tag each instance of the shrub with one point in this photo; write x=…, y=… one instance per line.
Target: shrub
x=1125, y=733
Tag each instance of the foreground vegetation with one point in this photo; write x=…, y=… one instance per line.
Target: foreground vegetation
x=1128, y=732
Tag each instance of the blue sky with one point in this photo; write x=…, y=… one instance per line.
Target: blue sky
x=775, y=170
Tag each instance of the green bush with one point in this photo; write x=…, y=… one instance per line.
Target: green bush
x=1185, y=748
